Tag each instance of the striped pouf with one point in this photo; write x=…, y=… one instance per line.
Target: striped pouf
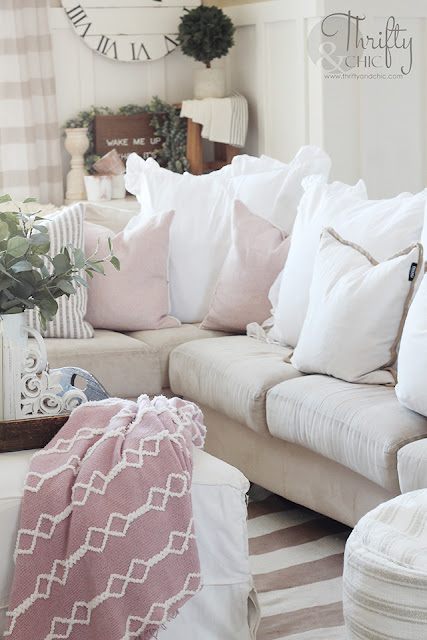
x=296, y=558
x=385, y=572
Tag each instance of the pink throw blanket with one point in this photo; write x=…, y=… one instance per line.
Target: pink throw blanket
x=106, y=548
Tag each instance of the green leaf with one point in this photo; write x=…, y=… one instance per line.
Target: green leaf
x=46, y=302
x=115, y=262
x=80, y=280
x=12, y=222
x=30, y=200
x=35, y=260
x=10, y=304
x=61, y=264
x=110, y=245
x=23, y=289
x=5, y=283
x=42, y=319
x=95, y=265
x=89, y=274
x=5, y=198
x=5, y=271
x=44, y=271
x=66, y=286
x=39, y=239
x=40, y=227
x=40, y=243
x=22, y=265
x=79, y=259
x=17, y=246
x=12, y=310
x=4, y=230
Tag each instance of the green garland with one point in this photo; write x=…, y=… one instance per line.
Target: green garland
x=166, y=123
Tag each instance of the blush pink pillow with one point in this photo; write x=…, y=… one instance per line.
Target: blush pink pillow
x=137, y=296
x=256, y=257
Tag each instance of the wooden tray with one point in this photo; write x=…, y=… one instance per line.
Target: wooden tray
x=34, y=433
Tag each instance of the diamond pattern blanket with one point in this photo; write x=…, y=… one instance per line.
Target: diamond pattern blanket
x=106, y=548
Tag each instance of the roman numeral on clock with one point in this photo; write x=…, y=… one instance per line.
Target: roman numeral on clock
x=169, y=41
x=76, y=15
x=137, y=55
x=106, y=45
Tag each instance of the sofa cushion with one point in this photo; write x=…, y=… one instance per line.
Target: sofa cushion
x=360, y=426
x=124, y=366
x=412, y=466
x=231, y=375
x=166, y=340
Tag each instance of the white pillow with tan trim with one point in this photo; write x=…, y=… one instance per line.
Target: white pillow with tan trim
x=356, y=311
x=411, y=387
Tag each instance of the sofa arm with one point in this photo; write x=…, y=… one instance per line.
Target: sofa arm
x=412, y=466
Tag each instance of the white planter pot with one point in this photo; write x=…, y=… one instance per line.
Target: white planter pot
x=98, y=188
x=17, y=361
x=118, y=186
x=208, y=83
x=27, y=388
x=76, y=143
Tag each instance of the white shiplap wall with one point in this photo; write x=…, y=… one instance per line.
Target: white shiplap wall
x=374, y=129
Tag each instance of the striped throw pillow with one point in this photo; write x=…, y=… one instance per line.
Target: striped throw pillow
x=66, y=227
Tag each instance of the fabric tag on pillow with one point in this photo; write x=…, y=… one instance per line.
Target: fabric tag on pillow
x=412, y=271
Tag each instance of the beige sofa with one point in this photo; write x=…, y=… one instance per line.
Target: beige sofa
x=335, y=447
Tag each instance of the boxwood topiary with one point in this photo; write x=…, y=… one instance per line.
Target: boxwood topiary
x=206, y=33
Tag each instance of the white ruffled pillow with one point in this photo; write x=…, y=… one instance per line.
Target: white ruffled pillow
x=356, y=311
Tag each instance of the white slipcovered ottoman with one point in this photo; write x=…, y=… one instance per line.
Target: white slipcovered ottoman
x=227, y=607
x=385, y=572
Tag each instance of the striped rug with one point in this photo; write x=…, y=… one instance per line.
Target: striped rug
x=296, y=558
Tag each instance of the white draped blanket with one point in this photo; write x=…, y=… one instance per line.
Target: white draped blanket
x=223, y=119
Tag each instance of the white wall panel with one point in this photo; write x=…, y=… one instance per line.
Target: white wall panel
x=392, y=123
x=372, y=129
x=284, y=104
x=243, y=61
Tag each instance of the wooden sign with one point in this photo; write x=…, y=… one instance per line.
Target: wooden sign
x=126, y=134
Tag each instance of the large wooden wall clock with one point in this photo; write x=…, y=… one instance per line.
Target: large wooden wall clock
x=128, y=30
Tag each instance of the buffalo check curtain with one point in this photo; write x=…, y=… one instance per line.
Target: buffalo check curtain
x=30, y=160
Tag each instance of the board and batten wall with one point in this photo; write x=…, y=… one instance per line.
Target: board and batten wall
x=373, y=129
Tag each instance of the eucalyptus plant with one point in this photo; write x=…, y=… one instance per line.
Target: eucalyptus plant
x=29, y=277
